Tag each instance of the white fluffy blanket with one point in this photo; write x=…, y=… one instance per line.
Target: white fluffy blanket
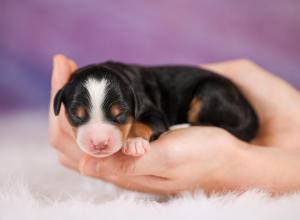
x=33, y=185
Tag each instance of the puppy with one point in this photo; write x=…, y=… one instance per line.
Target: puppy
x=113, y=106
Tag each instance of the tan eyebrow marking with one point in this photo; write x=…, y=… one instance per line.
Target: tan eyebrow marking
x=80, y=112
x=115, y=110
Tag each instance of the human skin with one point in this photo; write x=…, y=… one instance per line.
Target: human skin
x=208, y=158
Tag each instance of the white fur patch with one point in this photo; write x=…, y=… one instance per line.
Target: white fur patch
x=97, y=92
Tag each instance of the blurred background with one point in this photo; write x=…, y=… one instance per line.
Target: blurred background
x=147, y=32
x=136, y=31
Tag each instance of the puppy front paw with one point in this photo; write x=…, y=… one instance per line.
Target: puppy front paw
x=136, y=146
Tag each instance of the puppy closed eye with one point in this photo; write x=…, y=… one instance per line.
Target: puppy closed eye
x=118, y=114
x=79, y=113
x=121, y=118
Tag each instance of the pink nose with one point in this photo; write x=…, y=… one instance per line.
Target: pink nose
x=99, y=139
x=99, y=145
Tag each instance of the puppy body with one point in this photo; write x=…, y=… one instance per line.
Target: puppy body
x=114, y=105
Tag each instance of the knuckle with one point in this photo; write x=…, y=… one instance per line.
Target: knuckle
x=170, y=153
x=125, y=167
x=120, y=168
x=223, y=137
x=172, y=156
x=217, y=131
x=112, y=178
x=53, y=142
x=62, y=160
x=54, y=139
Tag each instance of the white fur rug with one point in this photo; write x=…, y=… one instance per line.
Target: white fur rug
x=33, y=185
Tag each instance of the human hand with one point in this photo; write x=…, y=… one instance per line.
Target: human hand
x=60, y=132
x=276, y=102
x=189, y=158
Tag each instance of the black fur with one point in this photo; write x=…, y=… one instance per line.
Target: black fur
x=160, y=96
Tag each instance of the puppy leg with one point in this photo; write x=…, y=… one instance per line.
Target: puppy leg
x=219, y=103
x=137, y=142
x=149, y=126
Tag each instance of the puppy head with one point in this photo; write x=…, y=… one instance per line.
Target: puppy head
x=99, y=108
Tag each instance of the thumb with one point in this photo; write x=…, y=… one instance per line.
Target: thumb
x=62, y=70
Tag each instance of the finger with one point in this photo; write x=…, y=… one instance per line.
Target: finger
x=234, y=67
x=220, y=67
x=62, y=70
x=146, y=184
x=72, y=64
x=258, y=85
x=67, y=162
x=60, y=123
x=67, y=146
x=244, y=71
x=152, y=163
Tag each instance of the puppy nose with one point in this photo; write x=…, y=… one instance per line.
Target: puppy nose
x=98, y=146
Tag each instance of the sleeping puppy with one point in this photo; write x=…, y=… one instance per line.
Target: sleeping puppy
x=114, y=106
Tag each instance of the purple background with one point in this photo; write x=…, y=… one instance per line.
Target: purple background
x=150, y=32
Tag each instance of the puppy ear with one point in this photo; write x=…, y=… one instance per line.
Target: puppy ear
x=58, y=99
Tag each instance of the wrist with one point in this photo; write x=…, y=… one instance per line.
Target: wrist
x=272, y=169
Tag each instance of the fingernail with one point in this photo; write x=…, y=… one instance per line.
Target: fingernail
x=89, y=167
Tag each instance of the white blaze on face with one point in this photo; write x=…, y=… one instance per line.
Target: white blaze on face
x=97, y=92
x=98, y=138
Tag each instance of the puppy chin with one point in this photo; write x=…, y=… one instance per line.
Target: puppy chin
x=99, y=154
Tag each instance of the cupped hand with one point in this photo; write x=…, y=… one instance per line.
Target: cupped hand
x=190, y=158
x=276, y=102
x=60, y=131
